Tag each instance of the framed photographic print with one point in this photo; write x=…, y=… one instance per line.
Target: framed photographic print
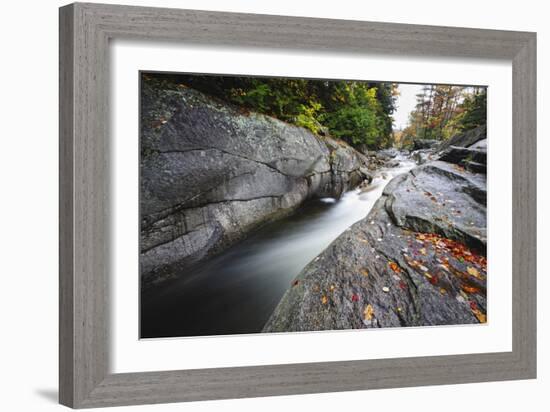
x=259, y=205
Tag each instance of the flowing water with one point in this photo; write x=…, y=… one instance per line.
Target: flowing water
x=236, y=291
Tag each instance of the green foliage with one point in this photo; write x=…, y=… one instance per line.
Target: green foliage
x=475, y=111
x=354, y=124
x=359, y=119
x=307, y=117
x=357, y=112
x=258, y=97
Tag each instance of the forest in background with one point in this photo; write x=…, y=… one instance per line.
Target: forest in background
x=443, y=111
x=357, y=112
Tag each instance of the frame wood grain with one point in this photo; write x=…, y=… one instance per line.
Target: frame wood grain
x=85, y=31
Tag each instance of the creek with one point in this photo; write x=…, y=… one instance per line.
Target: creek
x=236, y=291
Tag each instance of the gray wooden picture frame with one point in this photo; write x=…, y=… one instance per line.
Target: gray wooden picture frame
x=85, y=31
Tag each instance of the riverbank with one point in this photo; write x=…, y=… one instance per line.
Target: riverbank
x=417, y=259
x=237, y=290
x=251, y=224
x=211, y=175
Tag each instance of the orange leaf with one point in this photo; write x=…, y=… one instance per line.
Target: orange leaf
x=368, y=313
x=469, y=289
x=480, y=316
x=395, y=267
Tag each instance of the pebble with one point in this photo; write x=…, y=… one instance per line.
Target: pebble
x=386, y=289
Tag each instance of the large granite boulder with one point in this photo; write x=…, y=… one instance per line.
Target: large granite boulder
x=210, y=174
x=464, y=139
x=417, y=259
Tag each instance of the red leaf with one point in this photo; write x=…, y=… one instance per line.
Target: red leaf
x=354, y=298
x=473, y=305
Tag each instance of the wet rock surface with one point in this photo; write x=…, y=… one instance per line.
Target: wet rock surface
x=210, y=174
x=422, y=156
x=418, y=258
x=420, y=144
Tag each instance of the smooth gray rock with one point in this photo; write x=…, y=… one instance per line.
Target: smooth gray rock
x=422, y=156
x=458, y=155
x=210, y=174
x=417, y=259
x=389, y=153
x=473, y=158
x=438, y=198
x=480, y=145
x=475, y=167
x=419, y=144
x=464, y=139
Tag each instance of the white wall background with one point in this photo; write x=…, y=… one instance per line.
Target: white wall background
x=28, y=232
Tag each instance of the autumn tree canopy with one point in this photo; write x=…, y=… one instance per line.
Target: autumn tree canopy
x=443, y=111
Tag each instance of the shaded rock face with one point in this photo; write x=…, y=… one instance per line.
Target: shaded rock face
x=473, y=158
x=417, y=259
x=419, y=144
x=464, y=139
x=426, y=150
x=210, y=174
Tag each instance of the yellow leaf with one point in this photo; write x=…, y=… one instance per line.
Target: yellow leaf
x=423, y=250
x=474, y=272
x=368, y=313
x=365, y=272
x=332, y=287
x=442, y=291
x=480, y=316
x=324, y=300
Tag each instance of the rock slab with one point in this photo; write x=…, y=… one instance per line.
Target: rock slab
x=417, y=259
x=210, y=173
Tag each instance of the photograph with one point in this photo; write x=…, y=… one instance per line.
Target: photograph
x=271, y=204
